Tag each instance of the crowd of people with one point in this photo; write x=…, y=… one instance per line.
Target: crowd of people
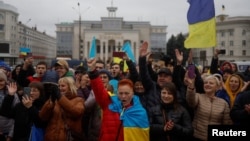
x=102, y=102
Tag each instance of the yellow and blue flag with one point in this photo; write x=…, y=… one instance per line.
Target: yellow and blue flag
x=202, y=24
x=24, y=51
x=127, y=49
x=135, y=120
x=92, y=52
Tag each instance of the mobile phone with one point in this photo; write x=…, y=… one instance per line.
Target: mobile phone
x=222, y=51
x=191, y=71
x=26, y=90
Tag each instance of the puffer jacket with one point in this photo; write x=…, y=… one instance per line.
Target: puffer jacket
x=67, y=111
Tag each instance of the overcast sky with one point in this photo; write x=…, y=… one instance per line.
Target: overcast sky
x=46, y=13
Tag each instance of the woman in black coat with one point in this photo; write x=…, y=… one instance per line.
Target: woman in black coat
x=169, y=120
x=25, y=113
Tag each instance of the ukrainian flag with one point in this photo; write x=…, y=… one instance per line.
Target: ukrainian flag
x=202, y=24
x=92, y=52
x=135, y=120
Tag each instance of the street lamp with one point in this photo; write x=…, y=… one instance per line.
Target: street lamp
x=80, y=37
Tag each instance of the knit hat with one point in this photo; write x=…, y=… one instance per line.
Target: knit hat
x=62, y=63
x=3, y=76
x=105, y=72
x=4, y=66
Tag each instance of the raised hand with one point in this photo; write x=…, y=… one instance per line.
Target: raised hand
x=144, y=49
x=12, y=88
x=91, y=64
x=27, y=101
x=189, y=81
x=179, y=56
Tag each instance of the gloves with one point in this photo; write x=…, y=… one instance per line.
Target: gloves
x=55, y=93
x=52, y=91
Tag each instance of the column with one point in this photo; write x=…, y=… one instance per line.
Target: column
x=101, y=50
x=137, y=48
x=86, y=49
x=106, y=51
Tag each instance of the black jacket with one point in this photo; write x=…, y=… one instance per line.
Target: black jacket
x=24, y=117
x=182, y=130
x=238, y=114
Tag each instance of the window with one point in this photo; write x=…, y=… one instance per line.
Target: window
x=243, y=32
x=1, y=27
x=222, y=34
x=244, y=43
x=222, y=43
x=231, y=43
x=243, y=52
x=231, y=53
x=231, y=33
x=1, y=17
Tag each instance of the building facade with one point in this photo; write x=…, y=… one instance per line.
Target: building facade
x=74, y=39
x=233, y=36
x=15, y=35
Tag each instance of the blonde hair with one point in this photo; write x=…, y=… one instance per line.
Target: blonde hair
x=70, y=82
x=215, y=77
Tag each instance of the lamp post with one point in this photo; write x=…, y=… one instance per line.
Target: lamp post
x=80, y=25
x=80, y=39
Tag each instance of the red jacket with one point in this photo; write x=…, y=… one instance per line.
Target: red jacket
x=111, y=128
x=34, y=79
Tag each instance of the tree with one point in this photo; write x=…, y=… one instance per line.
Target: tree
x=171, y=46
x=177, y=43
x=180, y=45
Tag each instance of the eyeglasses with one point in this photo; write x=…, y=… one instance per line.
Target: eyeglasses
x=104, y=77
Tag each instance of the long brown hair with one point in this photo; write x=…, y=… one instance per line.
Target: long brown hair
x=170, y=87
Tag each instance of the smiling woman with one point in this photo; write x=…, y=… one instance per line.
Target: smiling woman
x=207, y=107
x=169, y=119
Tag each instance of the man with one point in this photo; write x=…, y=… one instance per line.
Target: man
x=27, y=69
x=99, y=65
x=105, y=77
x=40, y=70
x=152, y=88
x=62, y=69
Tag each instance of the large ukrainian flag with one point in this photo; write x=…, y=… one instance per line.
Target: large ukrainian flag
x=135, y=120
x=202, y=25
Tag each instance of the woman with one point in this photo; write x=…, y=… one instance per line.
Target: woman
x=15, y=72
x=7, y=92
x=123, y=114
x=208, y=109
x=26, y=112
x=169, y=121
x=63, y=111
x=91, y=122
x=232, y=87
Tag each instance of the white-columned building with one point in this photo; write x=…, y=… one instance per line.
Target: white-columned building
x=74, y=39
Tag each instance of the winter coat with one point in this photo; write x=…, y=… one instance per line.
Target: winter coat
x=65, y=112
x=238, y=113
x=182, y=129
x=112, y=128
x=7, y=123
x=24, y=117
x=207, y=111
